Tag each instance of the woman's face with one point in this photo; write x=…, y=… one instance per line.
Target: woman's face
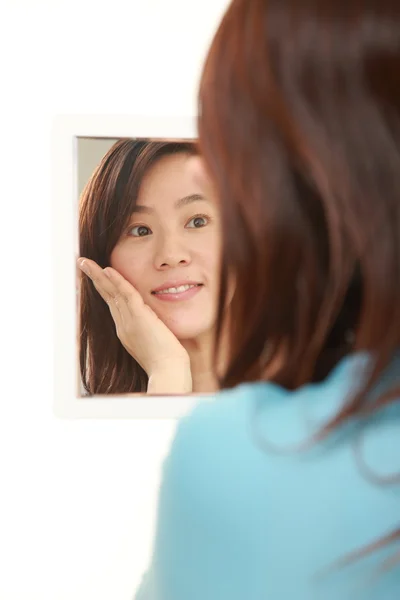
x=173, y=242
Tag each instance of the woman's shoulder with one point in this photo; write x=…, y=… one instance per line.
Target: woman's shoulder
x=235, y=485
x=344, y=380
x=230, y=408
x=241, y=423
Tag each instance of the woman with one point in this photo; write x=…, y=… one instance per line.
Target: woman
x=142, y=215
x=287, y=486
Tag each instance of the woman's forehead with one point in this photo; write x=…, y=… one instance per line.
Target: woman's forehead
x=170, y=181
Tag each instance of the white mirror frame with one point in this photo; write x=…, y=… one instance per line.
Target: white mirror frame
x=66, y=130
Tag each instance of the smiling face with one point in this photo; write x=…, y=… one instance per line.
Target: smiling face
x=171, y=247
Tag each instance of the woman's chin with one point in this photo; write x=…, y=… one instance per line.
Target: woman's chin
x=186, y=324
x=188, y=331
x=187, y=328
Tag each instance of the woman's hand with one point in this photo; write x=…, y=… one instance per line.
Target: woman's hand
x=147, y=339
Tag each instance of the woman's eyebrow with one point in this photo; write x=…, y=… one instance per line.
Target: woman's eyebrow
x=140, y=208
x=188, y=199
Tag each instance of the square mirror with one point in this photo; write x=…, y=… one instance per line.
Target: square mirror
x=124, y=197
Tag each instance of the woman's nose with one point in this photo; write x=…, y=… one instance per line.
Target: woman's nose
x=171, y=253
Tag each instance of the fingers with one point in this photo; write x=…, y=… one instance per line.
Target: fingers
x=107, y=290
x=124, y=290
x=110, y=284
x=100, y=281
x=115, y=290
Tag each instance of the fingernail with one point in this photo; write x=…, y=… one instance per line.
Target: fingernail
x=83, y=265
x=106, y=273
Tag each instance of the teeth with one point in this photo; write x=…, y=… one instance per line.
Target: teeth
x=176, y=290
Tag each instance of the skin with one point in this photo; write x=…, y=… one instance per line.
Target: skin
x=173, y=236
x=202, y=179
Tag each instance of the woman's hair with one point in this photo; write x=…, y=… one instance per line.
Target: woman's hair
x=299, y=127
x=106, y=205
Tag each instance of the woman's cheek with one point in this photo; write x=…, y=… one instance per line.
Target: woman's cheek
x=129, y=266
x=212, y=249
x=135, y=276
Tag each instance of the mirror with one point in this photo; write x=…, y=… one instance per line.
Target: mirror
x=148, y=327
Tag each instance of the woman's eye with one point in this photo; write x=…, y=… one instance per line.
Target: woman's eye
x=139, y=231
x=198, y=221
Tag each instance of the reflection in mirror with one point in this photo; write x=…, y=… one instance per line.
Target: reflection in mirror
x=148, y=276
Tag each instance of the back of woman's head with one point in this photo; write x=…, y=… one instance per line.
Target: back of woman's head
x=106, y=205
x=300, y=131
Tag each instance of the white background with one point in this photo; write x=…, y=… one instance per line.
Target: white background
x=77, y=498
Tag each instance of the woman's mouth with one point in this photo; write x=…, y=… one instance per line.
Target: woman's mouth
x=178, y=292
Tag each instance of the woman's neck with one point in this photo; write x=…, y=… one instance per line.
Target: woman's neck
x=200, y=351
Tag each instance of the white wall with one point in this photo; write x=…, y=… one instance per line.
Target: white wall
x=90, y=153
x=77, y=499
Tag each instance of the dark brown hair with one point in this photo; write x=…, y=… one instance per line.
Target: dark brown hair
x=299, y=126
x=106, y=205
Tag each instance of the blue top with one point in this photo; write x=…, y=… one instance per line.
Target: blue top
x=245, y=515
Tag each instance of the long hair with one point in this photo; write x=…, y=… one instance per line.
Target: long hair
x=106, y=205
x=299, y=127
